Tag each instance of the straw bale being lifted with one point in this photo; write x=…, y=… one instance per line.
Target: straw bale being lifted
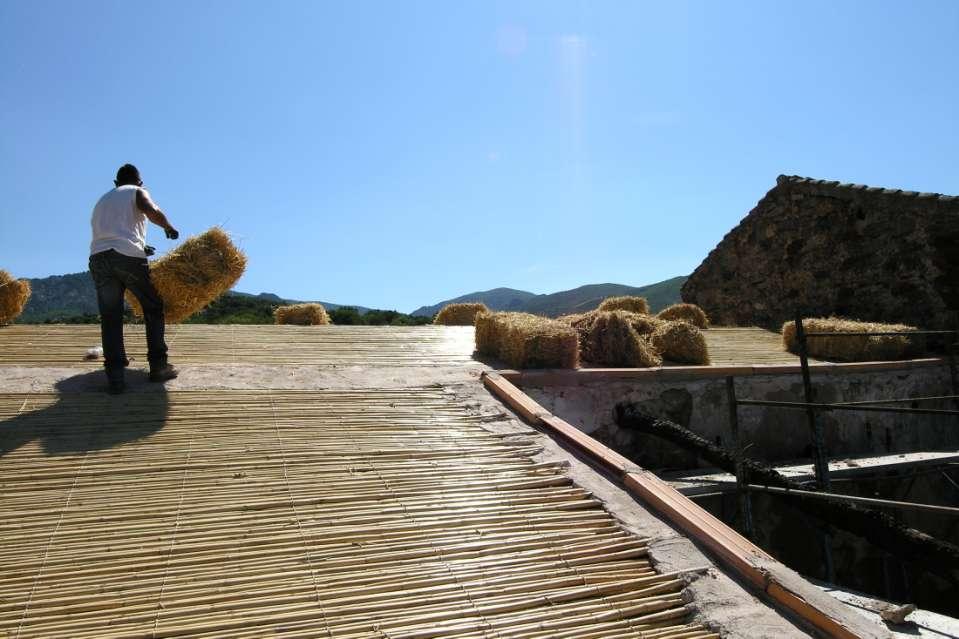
x=527, y=341
x=13, y=297
x=463, y=314
x=680, y=342
x=687, y=312
x=611, y=340
x=853, y=348
x=194, y=274
x=625, y=303
x=311, y=314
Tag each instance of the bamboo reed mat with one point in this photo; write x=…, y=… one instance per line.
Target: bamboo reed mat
x=65, y=345
x=731, y=346
x=336, y=514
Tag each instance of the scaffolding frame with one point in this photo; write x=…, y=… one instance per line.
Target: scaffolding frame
x=813, y=408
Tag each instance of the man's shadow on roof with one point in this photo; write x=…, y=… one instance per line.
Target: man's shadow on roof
x=84, y=417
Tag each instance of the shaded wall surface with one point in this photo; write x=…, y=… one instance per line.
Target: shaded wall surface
x=826, y=248
x=774, y=435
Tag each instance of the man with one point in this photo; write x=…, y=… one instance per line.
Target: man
x=118, y=261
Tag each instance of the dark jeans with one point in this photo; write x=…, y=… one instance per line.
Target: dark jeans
x=113, y=273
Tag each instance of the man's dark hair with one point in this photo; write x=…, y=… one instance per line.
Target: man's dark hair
x=128, y=174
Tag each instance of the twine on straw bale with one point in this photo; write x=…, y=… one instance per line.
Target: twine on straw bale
x=460, y=314
x=680, y=342
x=527, y=341
x=194, y=274
x=13, y=297
x=311, y=314
x=855, y=348
x=611, y=340
x=625, y=303
x=687, y=312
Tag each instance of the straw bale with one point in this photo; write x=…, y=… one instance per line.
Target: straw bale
x=580, y=322
x=686, y=312
x=301, y=314
x=611, y=340
x=625, y=303
x=486, y=334
x=13, y=297
x=527, y=341
x=680, y=342
x=645, y=324
x=460, y=314
x=853, y=349
x=194, y=274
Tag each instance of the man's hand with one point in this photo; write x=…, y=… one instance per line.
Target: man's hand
x=171, y=233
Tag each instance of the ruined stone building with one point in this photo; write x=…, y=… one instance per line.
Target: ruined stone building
x=826, y=248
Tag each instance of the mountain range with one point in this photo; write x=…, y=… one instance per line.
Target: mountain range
x=577, y=300
x=72, y=296
x=66, y=297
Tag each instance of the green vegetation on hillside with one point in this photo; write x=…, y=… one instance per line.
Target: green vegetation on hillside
x=349, y=315
x=244, y=309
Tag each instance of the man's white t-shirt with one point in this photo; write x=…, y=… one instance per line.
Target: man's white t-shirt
x=118, y=224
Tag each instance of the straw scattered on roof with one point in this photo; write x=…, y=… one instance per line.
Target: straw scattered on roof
x=612, y=341
x=681, y=343
x=527, y=341
x=310, y=314
x=194, y=274
x=686, y=312
x=13, y=297
x=463, y=314
x=629, y=303
x=854, y=348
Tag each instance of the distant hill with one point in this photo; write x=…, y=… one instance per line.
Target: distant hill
x=577, y=300
x=73, y=298
x=243, y=308
x=276, y=299
x=60, y=297
x=498, y=299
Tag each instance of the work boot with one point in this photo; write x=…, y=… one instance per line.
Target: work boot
x=163, y=373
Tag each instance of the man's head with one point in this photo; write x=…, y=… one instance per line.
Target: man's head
x=128, y=174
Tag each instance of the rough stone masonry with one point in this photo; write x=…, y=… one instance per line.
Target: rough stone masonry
x=826, y=248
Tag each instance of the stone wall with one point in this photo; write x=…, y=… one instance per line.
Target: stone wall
x=835, y=249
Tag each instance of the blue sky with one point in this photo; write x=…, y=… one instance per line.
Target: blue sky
x=393, y=154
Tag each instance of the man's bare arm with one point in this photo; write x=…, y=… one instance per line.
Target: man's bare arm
x=154, y=214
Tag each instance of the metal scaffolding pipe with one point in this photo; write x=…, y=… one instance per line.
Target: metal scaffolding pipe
x=866, y=501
